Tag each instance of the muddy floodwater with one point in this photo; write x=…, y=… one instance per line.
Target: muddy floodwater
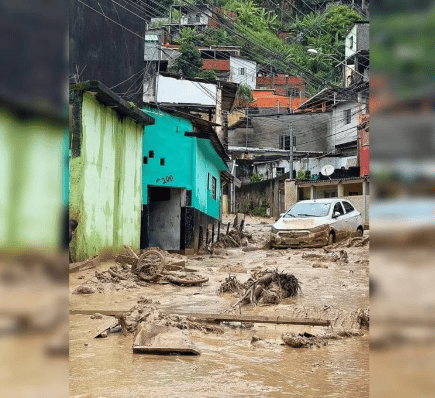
x=229, y=364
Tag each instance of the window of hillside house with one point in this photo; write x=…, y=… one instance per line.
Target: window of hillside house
x=351, y=42
x=280, y=171
x=284, y=142
x=208, y=182
x=293, y=92
x=242, y=71
x=347, y=116
x=213, y=188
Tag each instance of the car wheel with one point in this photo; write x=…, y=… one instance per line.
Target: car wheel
x=359, y=232
x=331, y=239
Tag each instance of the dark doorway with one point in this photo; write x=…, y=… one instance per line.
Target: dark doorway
x=164, y=217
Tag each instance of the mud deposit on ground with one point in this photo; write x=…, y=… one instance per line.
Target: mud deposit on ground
x=233, y=364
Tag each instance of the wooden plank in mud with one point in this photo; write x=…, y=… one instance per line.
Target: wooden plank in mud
x=105, y=324
x=84, y=265
x=278, y=320
x=164, y=351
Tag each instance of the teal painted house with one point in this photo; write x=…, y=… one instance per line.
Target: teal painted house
x=183, y=162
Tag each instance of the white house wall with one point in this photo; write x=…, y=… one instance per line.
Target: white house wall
x=171, y=90
x=250, y=75
x=342, y=132
x=315, y=165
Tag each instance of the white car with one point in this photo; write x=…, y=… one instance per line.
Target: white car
x=316, y=223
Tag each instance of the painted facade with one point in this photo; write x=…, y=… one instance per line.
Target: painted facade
x=105, y=172
x=188, y=165
x=31, y=182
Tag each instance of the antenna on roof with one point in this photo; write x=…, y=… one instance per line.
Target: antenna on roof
x=327, y=170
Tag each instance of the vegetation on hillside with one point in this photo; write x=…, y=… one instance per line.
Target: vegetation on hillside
x=256, y=32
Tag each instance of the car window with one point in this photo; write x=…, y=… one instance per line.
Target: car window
x=338, y=207
x=348, y=207
x=308, y=210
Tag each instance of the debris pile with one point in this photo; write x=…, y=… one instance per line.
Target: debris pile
x=233, y=237
x=308, y=340
x=303, y=340
x=330, y=256
x=144, y=312
x=265, y=287
x=363, y=318
x=357, y=241
x=153, y=266
x=231, y=285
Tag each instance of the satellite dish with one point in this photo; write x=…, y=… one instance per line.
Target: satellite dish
x=327, y=170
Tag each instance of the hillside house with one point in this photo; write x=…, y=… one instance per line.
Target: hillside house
x=184, y=168
x=105, y=170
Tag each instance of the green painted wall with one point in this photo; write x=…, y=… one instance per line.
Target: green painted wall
x=188, y=161
x=30, y=182
x=106, y=182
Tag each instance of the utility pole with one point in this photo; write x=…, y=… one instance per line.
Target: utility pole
x=291, y=150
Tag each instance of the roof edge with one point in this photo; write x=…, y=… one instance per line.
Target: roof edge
x=107, y=97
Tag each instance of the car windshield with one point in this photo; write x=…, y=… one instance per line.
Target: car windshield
x=308, y=210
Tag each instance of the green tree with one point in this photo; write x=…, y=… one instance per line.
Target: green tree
x=244, y=96
x=189, y=62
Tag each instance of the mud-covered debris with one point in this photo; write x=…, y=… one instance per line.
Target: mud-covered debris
x=357, y=241
x=231, y=285
x=233, y=268
x=97, y=316
x=303, y=340
x=316, y=256
x=144, y=312
x=319, y=265
x=186, y=279
x=363, y=318
x=269, y=287
x=84, y=289
x=159, y=339
x=251, y=249
x=340, y=256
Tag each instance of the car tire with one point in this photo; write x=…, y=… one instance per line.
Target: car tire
x=359, y=232
x=331, y=238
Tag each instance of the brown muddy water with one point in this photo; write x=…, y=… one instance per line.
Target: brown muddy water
x=229, y=366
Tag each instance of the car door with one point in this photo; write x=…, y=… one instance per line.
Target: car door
x=338, y=223
x=351, y=216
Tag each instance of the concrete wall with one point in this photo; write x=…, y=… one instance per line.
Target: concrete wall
x=311, y=131
x=105, y=51
x=259, y=198
x=106, y=182
x=30, y=182
x=268, y=170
